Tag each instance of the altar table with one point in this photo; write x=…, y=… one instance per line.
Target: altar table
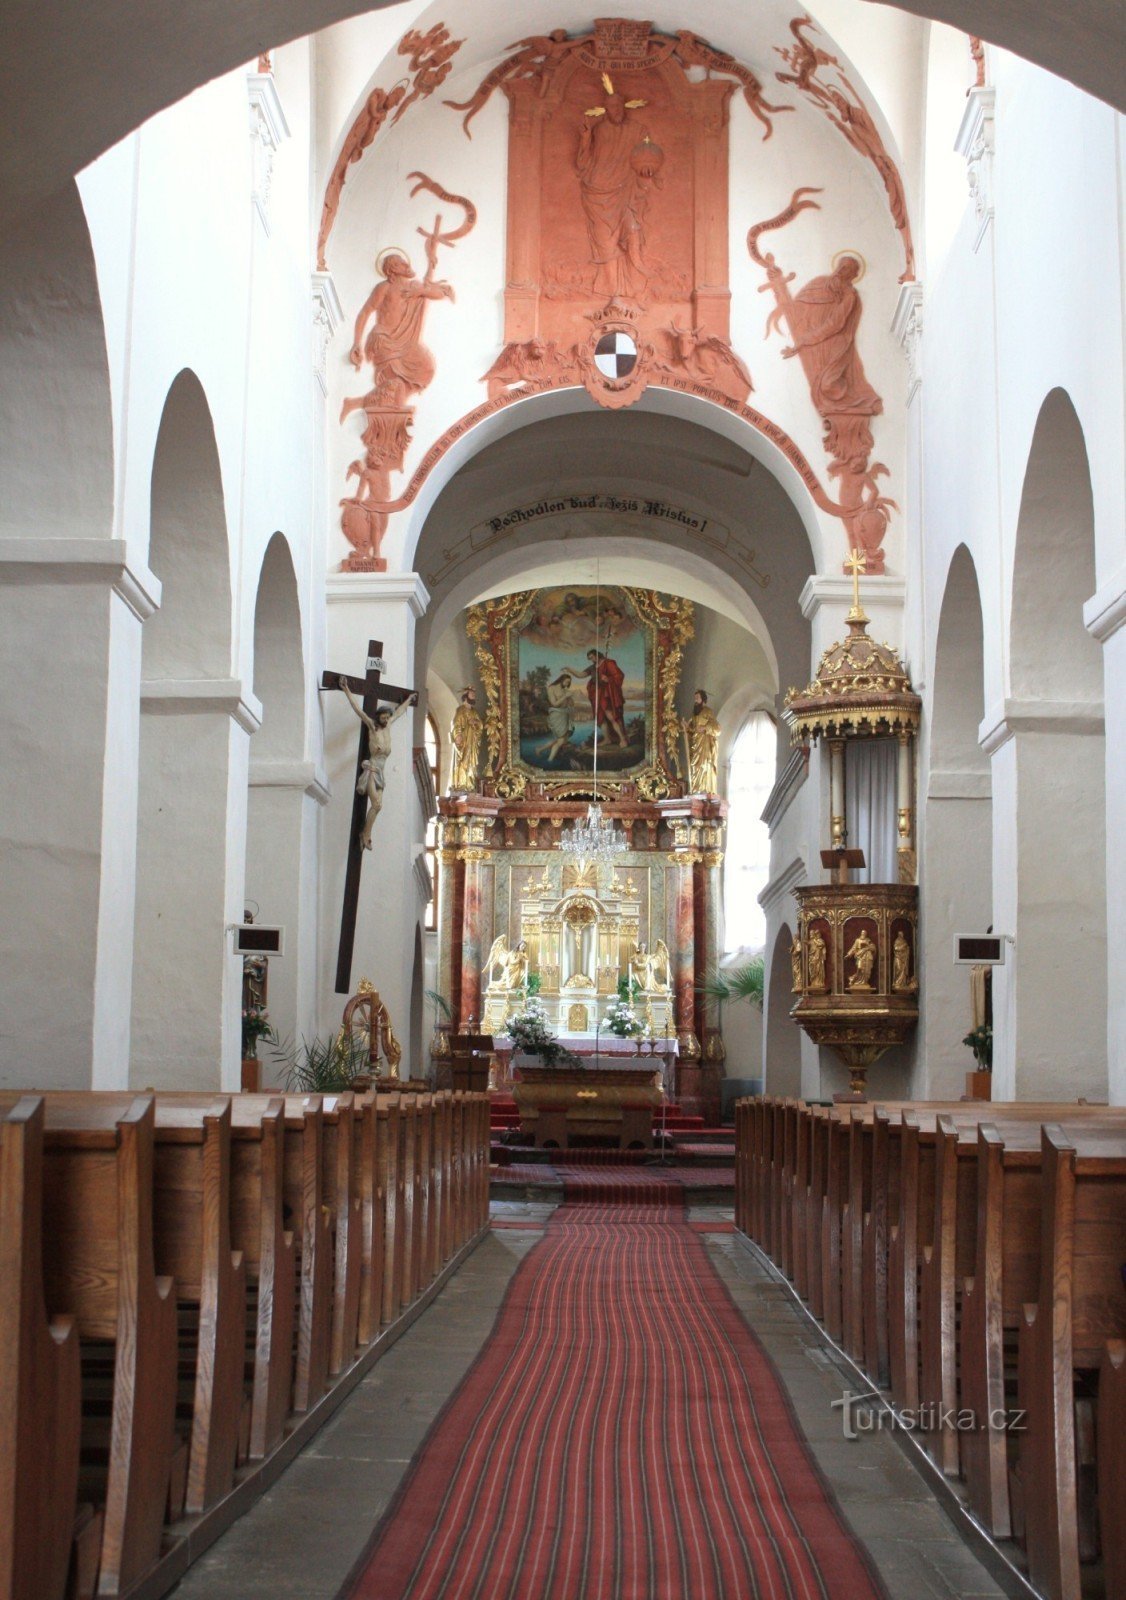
x=564, y=1106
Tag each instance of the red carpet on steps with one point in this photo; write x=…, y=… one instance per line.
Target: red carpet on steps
x=622, y=1436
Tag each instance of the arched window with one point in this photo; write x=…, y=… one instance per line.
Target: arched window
x=433, y=746
x=750, y=778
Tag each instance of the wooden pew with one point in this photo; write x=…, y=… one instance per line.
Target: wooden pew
x=1081, y=1304
x=97, y=1212
x=374, y=1199
x=312, y=1227
x=40, y=1398
x=258, y=1231
x=1112, y=1465
x=408, y=1205
x=389, y=1109
x=342, y=1199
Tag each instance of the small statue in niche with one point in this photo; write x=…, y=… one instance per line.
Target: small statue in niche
x=371, y=781
x=817, y=961
x=795, y=966
x=701, y=735
x=863, y=955
x=901, y=980
x=465, y=737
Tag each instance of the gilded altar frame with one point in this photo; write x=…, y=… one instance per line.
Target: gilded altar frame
x=666, y=623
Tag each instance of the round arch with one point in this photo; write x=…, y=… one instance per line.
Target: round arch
x=190, y=814
x=190, y=635
x=782, y=1038
x=957, y=826
x=487, y=430
x=279, y=665
x=1052, y=896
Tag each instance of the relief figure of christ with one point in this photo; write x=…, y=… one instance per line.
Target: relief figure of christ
x=618, y=167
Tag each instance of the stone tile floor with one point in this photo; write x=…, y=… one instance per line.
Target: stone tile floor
x=303, y=1539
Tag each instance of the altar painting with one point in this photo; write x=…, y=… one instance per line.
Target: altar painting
x=582, y=663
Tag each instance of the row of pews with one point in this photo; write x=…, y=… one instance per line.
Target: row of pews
x=970, y=1258
x=182, y=1278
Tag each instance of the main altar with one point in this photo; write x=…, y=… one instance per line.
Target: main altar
x=581, y=692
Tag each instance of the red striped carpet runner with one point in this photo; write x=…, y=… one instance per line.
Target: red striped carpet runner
x=622, y=1436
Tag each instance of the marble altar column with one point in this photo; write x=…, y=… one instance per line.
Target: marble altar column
x=684, y=947
x=469, y=1017
x=712, y=1049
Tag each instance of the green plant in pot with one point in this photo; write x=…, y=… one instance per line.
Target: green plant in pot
x=980, y=1041
x=740, y=983
x=323, y=1066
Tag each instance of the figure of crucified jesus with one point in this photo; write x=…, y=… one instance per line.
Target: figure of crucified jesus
x=371, y=781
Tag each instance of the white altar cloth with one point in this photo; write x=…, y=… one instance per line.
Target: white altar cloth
x=607, y=1044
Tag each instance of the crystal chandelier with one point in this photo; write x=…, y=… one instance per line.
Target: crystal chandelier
x=594, y=839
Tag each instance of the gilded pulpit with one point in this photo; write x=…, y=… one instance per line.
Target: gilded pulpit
x=854, y=959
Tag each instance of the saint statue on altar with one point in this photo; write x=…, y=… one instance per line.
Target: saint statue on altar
x=465, y=738
x=701, y=734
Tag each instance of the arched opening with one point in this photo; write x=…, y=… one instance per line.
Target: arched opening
x=67, y=721
x=280, y=813
x=782, y=1050
x=1050, y=1000
x=957, y=892
x=186, y=980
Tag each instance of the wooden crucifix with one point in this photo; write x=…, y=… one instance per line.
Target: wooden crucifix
x=374, y=748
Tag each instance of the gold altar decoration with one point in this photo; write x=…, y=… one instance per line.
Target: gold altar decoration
x=540, y=654
x=854, y=958
x=366, y=1014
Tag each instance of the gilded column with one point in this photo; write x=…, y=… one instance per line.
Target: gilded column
x=905, y=809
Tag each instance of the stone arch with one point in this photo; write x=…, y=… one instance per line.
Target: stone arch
x=67, y=721
x=782, y=1038
x=957, y=827
x=1050, y=1000
x=190, y=636
x=279, y=807
x=192, y=779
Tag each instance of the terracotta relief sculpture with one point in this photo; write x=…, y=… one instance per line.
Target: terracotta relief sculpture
x=823, y=318
x=618, y=167
x=630, y=44
x=705, y=359
x=430, y=61
x=388, y=336
x=847, y=112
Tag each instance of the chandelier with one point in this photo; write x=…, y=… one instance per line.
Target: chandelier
x=594, y=839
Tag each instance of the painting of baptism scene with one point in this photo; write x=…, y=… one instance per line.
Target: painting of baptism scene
x=581, y=661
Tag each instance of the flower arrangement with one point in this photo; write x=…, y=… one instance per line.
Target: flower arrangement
x=623, y=1020
x=529, y=1032
x=980, y=1041
x=255, y=1025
